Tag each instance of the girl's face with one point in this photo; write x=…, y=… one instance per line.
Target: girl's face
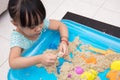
x=31, y=33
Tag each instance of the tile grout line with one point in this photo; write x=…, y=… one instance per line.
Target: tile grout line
x=3, y=62
x=4, y=37
x=99, y=9
x=112, y=10
x=56, y=9
x=7, y=58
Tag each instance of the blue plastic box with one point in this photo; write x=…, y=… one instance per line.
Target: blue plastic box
x=50, y=40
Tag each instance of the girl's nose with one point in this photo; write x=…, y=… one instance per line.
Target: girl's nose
x=38, y=29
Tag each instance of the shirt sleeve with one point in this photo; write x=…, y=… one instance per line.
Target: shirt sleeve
x=46, y=24
x=20, y=41
x=15, y=41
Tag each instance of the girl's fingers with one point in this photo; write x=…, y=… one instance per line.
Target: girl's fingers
x=64, y=49
x=60, y=48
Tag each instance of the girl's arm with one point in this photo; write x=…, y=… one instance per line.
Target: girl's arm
x=17, y=61
x=57, y=25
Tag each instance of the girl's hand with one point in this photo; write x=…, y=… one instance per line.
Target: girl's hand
x=48, y=59
x=63, y=49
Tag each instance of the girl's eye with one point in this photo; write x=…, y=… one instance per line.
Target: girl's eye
x=32, y=28
x=35, y=27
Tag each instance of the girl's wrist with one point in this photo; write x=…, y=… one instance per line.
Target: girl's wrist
x=38, y=59
x=65, y=41
x=64, y=38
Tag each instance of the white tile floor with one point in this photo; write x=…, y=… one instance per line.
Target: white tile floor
x=107, y=11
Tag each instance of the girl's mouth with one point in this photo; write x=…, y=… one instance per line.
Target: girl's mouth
x=37, y=34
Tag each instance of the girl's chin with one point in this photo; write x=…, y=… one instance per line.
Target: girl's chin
x=36, y=35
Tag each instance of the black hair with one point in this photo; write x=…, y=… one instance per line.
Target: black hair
x=28, y=13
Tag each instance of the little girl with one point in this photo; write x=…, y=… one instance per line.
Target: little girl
x=28, y=16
